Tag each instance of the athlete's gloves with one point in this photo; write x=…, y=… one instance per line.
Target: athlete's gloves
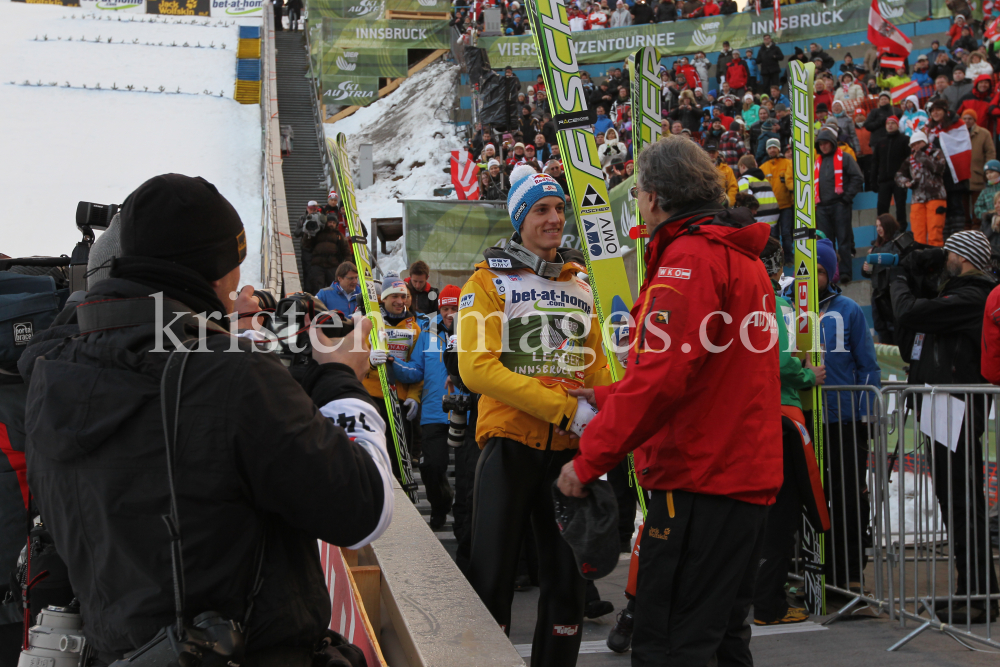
x=412, y=407
x=622, y=344
x=584, y=413
x=378, y=358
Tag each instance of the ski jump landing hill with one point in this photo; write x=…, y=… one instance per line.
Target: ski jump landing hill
x=97, y=100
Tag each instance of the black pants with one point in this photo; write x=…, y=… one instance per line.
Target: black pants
x=513, y=485
x=320, y=277
x=293, y=17
x=434, y=456
x=965, y=519
x=783, y=518
x=768, y=80
x=888, y=192
x=834, y=220
x=695, y=583
x=865, y=165
x=625, y=494
x=845, y=481
x=277, y=17
x=466, y=459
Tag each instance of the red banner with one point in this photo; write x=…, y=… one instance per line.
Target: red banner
x=348, y=614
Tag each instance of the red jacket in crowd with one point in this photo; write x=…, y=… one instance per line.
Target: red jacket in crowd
x=825, y=97
x=701, y=410
x=737, y=74
x=990, y=364
x=983, y=103
x=690, y=75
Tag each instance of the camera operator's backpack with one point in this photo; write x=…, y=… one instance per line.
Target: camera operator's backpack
x=28, y=304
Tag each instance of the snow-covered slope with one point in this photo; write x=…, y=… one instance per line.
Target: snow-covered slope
x=64, y=144
x=412, y=140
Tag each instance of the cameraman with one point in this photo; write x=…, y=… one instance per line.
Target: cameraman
x=327, y=249
x=946, y=349
x=249, y=441
x=310, y=223
x=428, y=361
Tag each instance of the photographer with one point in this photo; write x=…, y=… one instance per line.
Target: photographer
x=310, y=223
x=947, y=349
x=249, y=440
x=327, y=249
x=428, y=361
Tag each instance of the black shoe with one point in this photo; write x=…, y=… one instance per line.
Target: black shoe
x=963, y=614
x=626, y=546
x=437, y=522
x=522, y=582
x=598, y=608
x=620, y=638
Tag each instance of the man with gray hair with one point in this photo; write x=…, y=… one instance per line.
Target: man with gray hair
x=705, y=320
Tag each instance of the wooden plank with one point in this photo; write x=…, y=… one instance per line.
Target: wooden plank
x=368, y=580
x=389, y=87
x=350, y=556
x=409, y=15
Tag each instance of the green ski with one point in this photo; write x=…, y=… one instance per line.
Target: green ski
x=345, y=185
x=643, y=65
x=574, y=130
x=806, y=299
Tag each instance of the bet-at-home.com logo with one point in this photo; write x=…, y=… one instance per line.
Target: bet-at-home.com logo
x=237, y=7
x=348, y=89
x=114, y=5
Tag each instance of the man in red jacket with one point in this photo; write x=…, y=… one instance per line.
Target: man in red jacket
x=700, y=406
x=990, y=363
x=737, y=75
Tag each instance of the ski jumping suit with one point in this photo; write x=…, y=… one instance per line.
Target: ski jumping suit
x=552, y=345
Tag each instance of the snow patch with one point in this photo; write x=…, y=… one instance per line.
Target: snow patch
x=412, y=138
x=63, y=145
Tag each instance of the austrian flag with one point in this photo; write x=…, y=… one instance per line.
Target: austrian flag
x=900, y=93
x=464, y=175
x=957, y=148
x=885, y=36
x=891, y=62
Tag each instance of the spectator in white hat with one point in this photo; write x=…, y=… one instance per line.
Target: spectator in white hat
x=499, y=185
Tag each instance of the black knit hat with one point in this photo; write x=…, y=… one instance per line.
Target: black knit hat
x=184, y=220
x=590, y=527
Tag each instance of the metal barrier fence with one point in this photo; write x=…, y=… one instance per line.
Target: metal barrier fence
x=910, y=483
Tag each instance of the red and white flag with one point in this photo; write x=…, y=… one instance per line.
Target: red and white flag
x=756, y=6
x=900, y=93
x=777, y=16
x=992, y=30
x=957, y=148
x=464, y=175
x=891, y=62
x=885, y=36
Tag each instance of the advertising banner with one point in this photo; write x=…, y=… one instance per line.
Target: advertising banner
x=418, y=5
x=127, y=6
x=349, y=90
x=811, y=20
x=347, y=9
x=223, y=8
x=368, y=35
x=451, y=235
x=179, y=7
x=388, y=63
x=61, y=3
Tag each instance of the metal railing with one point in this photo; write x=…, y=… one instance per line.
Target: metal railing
x=278, y=268
x=910, y=478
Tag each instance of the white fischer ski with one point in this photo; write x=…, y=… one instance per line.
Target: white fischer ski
x=806, y=299
x=578, y=148
x=345, y=184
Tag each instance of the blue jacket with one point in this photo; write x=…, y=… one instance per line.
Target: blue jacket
x=752, y=67
x=851, y=362
x=602, y=124
x=783, y=99
x=334, y=298
x=427, y=361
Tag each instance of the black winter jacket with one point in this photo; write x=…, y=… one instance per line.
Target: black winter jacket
x=769, y=59
x=254, y=456
x=952, y=325
x=641, y=13
x=889, y=155
x=13, y=487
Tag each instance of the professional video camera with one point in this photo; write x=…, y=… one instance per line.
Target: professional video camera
x=288, y=323
x=89, y=216
x=313, y=224
x=459, y=404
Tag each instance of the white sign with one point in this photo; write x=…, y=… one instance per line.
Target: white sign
x=249, y=8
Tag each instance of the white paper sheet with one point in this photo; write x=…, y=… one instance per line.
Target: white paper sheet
x=946, y=431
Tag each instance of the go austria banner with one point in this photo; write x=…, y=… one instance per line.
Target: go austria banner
x=347, y=9
x=810, y=20
x=349, y=90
